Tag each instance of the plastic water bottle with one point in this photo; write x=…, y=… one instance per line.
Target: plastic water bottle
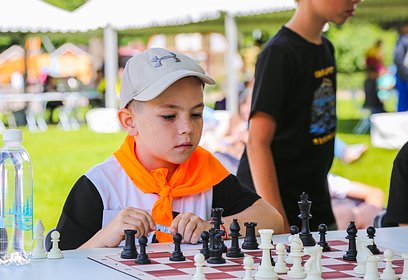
x=16, y=201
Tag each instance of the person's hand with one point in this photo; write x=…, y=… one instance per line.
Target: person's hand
x=128, y=218
x=189, y=226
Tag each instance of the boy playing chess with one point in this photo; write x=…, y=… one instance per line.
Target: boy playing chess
x=159, y=175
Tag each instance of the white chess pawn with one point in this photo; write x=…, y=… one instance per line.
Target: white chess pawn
x=266, y=270
x=404, y=275
x=248, y=266
x=55, y=252
x=371, y=268
x=388, y=273
x=199, y=260
x=280, y=265
x=39, y=250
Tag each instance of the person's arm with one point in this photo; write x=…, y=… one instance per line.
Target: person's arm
x=265, y=215
x=370, y=195
x=261, y=132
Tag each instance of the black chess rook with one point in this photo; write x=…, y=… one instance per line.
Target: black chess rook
x=250, y=242
x=129, y=250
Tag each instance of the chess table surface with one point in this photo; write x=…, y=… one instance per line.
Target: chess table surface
x=76, y=265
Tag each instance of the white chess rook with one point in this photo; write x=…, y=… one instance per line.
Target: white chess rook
x=266, y=270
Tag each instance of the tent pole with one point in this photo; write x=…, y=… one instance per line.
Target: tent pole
x=110, y=37
x=231, y=32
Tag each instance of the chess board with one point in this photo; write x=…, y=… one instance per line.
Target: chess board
x=334, y=267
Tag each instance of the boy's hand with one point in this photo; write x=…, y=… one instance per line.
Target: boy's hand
x=128, y=218
x=189, y=226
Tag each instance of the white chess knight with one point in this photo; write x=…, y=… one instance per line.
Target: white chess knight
x=266, y=270
x=39, y=250
x=199, y=260
x=362, y=253
x=388, y=273
x=296, y=246
x=313, y=265
x=55, y=252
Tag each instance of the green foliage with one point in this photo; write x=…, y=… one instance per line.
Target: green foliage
x=66, y=5
x=352, y=40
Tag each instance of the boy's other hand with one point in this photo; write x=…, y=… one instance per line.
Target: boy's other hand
x=189, y=226
x=128, y=218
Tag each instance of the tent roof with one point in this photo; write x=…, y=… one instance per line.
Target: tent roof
x=34, y=16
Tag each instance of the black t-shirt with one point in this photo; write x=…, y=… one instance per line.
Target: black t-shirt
x=397, y=208
x=82, y=214
x=295, y=83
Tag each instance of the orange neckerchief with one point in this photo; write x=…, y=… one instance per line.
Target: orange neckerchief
x=197, y=174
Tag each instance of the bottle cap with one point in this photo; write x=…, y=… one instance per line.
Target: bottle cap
x=12, y=135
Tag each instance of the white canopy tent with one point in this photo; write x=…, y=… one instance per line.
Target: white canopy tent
x=129, y=14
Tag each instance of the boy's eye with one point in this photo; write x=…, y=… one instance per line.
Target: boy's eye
x=197, y=115
x=168, y=117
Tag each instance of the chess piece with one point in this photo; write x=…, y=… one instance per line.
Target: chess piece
x=296, y=271
x=280, y=266
x=351, y=253
x=250, y=242
x=199, y=263
x=313, y=265
x=39, y=250
x=205, y=237
x=322, y=242
x=216, y=221
x=363, y=253
x=142, y=257
x=404, y=275
x=266, y=270
x=371, y=234
x=129, y=250
x=388, y=273
x=216, y=246
x=248, y=266
x=305, y=234
x=55, y=252
x=235, y=251
x=293, y=230
x=371, y=268
x=177, y=255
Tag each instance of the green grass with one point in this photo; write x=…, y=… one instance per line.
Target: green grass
x=60, y=158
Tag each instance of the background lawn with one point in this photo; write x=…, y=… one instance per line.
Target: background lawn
x=60, y=158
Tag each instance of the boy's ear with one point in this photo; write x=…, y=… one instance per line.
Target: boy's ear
x=126, y=119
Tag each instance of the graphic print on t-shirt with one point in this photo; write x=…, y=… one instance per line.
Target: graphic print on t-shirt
x=323, y=118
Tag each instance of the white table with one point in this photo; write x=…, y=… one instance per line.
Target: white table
x=76, y=266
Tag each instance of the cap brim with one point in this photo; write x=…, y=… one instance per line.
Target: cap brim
x=160, y=85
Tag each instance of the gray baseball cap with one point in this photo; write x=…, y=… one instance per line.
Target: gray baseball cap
x=149, y=73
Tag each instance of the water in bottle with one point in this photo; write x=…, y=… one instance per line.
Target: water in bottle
x=16, y=200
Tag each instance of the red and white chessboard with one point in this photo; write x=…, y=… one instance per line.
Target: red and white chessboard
x=334, y=267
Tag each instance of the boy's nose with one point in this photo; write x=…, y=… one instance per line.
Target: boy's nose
x=185, y=127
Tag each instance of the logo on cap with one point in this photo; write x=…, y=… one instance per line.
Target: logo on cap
x=157, y=60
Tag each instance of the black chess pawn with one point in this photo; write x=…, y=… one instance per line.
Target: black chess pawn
x=351, y=253
x=235, y=251
x=129, y=250
x=216, y=246
x=304, y=207
x=142, y=257
x=373, y=248
x=205, y=238
x=293, y=230
x=322, y=242
x=250, y=242
x=177, y=255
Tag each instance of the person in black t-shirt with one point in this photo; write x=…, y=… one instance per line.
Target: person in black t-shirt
x=397, y=208
x=293, y=117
